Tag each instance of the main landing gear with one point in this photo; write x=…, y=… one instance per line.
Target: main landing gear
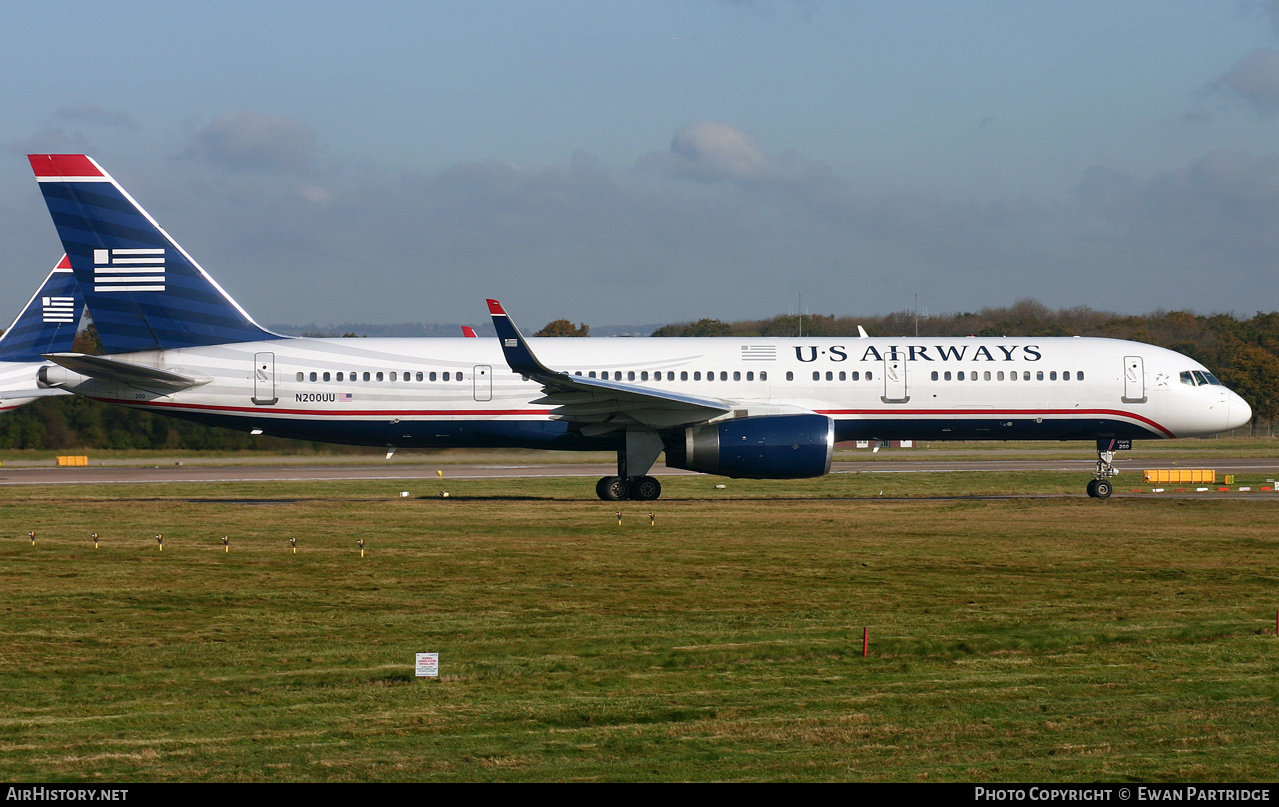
x=642, y=448
x=618, y=488
x=1100, y=487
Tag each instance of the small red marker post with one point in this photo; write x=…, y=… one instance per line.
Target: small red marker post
x=865, y=641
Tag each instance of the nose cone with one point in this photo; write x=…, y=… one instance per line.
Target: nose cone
x=1238, y=412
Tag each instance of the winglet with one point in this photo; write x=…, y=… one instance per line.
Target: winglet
x=468, y=332
x=515, y=347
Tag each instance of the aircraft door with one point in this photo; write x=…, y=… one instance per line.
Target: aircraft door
x=1134, y=380
x=894, y=380
x=264, y=379
x=483, y=378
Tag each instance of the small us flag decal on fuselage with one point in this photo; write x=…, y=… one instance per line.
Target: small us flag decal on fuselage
x=57, y=309
x=128, y=270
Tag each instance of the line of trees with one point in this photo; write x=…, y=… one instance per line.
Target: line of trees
x=1243, y=353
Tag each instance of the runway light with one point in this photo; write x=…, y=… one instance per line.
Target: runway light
x=361, y=543
x=619, y=518
x=32, y=535
x=440, y=474
x=159, y=539
x=652, y=521
x=95, y=540
x=226, y=544
x=293, y=542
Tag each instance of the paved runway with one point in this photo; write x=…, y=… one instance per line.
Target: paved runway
x=174, y=472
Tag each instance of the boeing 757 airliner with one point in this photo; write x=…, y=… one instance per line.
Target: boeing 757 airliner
x=741, y=407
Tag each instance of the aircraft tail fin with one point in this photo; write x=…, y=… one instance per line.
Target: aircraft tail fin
x=47, y=324
x=144, y=290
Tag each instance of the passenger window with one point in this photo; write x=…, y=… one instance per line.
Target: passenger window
x=961, y=375
x=737, y=376
x=643, y=375
x=1039, y=375
x=790, y=376
x=1000, y=375
x=683, y=375
x=432, y=375
x=934, y=375
x=856, y=375
x=697, y=375
x=670, y=375
x=843, y=376
x=817, y=376
x=326, y=376
x=419, y=375
x=723, y=375
x=444, y=376
x=630, y=376
x=312, y=375
x=339, y=376
x=986, y=375
x=763, y=375
x=750, y=375
x=301, y=376
x=830, y=376
x=1025, y=376
x=379, y=375
x=591, y=374
x=392, y=375
x=459, y=375
x=868, y=378
x=1052, y=376
x=1079, y=376
x=366, y=375
x=948, y=375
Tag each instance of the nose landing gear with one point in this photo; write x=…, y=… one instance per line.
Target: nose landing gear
x=1100, y=487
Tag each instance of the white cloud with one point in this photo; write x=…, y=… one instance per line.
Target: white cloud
x=254, y=142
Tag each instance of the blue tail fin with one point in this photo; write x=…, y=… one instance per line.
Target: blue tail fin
x=144, y=290
x=48, y=322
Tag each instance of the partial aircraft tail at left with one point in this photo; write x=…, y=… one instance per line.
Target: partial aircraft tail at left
x=48, y=322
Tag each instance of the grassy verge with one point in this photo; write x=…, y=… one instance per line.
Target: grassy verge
x=1011, y=639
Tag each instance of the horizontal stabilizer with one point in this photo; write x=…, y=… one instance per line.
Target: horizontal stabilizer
x=135, y=375
x=33, y=392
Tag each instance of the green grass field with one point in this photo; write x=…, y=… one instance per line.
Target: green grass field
x=1011, y=639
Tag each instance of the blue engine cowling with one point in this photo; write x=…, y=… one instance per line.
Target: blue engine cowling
x=764, y=447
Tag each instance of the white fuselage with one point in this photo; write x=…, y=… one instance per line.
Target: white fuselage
x=457, y=392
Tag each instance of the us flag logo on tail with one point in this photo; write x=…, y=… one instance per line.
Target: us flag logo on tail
x=57, y=309
x=128, y=270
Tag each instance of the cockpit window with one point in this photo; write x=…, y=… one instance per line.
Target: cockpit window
x=1187, y=378
x=1200, y=378
x=1212, y=379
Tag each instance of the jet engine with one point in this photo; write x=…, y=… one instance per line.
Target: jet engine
x=762, y=447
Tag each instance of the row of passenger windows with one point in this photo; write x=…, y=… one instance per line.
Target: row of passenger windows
x=670, y=375
x=380, y=376
x=831, y=375
x=1012, y=376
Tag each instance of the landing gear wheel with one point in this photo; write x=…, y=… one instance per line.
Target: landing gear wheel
x=1101, y=488
x=1092, y=488
x=645, y=488
x=612, y=489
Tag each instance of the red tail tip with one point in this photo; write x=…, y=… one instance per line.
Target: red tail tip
x=496, y=308
x=63, y=165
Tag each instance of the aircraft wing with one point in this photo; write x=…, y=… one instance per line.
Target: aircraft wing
x=135, y=375
x=601, y=406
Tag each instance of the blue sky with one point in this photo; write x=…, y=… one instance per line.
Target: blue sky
x=641, y=162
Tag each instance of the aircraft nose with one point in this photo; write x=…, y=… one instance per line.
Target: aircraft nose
x=1238, y=412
